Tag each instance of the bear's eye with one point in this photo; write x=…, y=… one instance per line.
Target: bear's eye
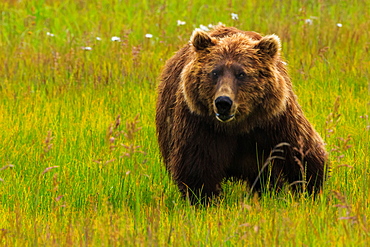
x=215, y=74
x=241, y=75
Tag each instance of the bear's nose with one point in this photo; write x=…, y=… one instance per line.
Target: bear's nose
x=223, y=105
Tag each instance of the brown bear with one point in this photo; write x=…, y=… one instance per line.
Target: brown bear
x=226, y=109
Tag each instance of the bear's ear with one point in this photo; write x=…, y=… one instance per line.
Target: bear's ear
x=269, y=45
x=201, y=40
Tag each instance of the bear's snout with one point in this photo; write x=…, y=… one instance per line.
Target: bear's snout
x=223, y=106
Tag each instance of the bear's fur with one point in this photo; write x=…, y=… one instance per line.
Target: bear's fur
x=226, y=109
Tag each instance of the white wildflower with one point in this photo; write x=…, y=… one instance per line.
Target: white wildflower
x=234, y=16
x=87, y=48
x=115, y=38
x=148, y=35
x=50, y=34
x=308, y=21
x=98, y=38
x=339, y=25
x=180, y=23
x=204, y=28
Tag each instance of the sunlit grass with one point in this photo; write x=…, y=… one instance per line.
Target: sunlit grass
x=79, y=162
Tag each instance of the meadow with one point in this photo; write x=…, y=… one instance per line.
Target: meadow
x=79, y=161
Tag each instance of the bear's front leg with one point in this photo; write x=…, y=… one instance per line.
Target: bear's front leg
x=198, y=190
x=197, y=170
x=199, y=160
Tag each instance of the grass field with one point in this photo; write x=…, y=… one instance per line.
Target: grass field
x=79, y=161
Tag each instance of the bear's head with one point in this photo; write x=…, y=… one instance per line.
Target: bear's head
x=235, y=77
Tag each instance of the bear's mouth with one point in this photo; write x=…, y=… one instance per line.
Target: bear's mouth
x=224, y=118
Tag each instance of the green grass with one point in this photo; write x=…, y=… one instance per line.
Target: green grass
x=79, y=161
